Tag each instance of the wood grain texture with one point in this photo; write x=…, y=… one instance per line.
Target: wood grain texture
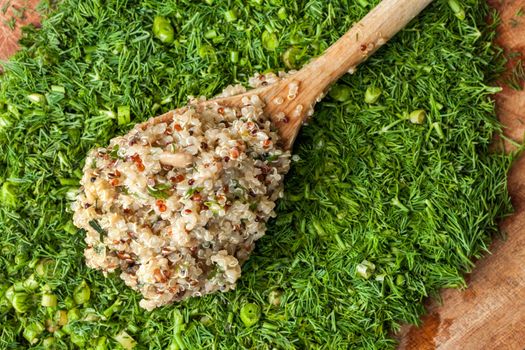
x=490, y=313
x=20, y=13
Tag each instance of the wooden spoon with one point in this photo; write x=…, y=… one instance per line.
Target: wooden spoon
x=287, y=108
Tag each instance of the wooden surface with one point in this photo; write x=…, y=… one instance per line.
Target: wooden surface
x=490, y=313
x=19, y=12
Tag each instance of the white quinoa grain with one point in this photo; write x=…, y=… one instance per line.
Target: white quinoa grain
x=178, y=205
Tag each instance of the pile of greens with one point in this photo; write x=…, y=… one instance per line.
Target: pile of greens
x=391, y=196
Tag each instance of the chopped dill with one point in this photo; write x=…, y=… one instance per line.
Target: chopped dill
x=415, y=201
x=159, y=191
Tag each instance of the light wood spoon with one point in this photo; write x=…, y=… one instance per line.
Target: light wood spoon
x=287, y=108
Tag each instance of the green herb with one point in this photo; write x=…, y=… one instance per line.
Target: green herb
x=114, y=152
x=230, y=16
x=49, y=300
x=192, y=191
x=372, y=94
x=163, y=30
x=292, y=57
x=418, y=116
x=458, y=10
x=340, y=203
x=340, y=92
x=272, y=157
x=96, y=226
x=82, y=293
x=269, y=41
x=33, y=331
x=160, y=191
x=123, y=115
x=250, y=314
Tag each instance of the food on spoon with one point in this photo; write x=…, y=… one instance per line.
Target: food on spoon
x=178, y=203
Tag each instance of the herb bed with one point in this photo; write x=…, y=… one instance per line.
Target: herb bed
x=411, y=204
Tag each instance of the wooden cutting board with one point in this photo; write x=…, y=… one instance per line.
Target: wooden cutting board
x=490, y=313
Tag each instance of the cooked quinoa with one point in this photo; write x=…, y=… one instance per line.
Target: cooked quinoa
x=178, y=203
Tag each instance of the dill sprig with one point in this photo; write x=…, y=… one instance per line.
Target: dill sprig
x=412, y=203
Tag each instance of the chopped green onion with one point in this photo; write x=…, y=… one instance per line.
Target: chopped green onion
x=269, y=41
x=67, y=329
x=458, y=10
x=90, y=315
x=33, y=331
x=77, y=339
x=125, y=340
x=230, y=16
x=210, y=34
x=291, y=57
x=21, y=302
x=59, y=333
x=4, y=121
x=49, y=343
x=250, y=314
x=234, y=56
x=155, y=107
x=82, y=293
x=372, y=94
x=30, y=283
x=274, y=297
x=133, y=328
x=400, y=280
x=340, y=92
x=59, y=89
x=365, y=269
x=36, y=98
x=163, y=30
x=61, y=317
x=271, y=326
x=13, y=110
x=49, y=300
x=73, y=315
x=166, y=100
x=123, y=115
x=282, y=14
x=110, y=310
x=205, y=51
x=101, y=343
x=417, y=116
x=69, y=302
x=53, y=98
x=9, y=294
x=68, y=182
x=107, y=113
x=439, y=130
x=8, y=195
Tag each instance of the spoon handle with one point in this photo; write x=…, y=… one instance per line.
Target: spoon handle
x=361, y=41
